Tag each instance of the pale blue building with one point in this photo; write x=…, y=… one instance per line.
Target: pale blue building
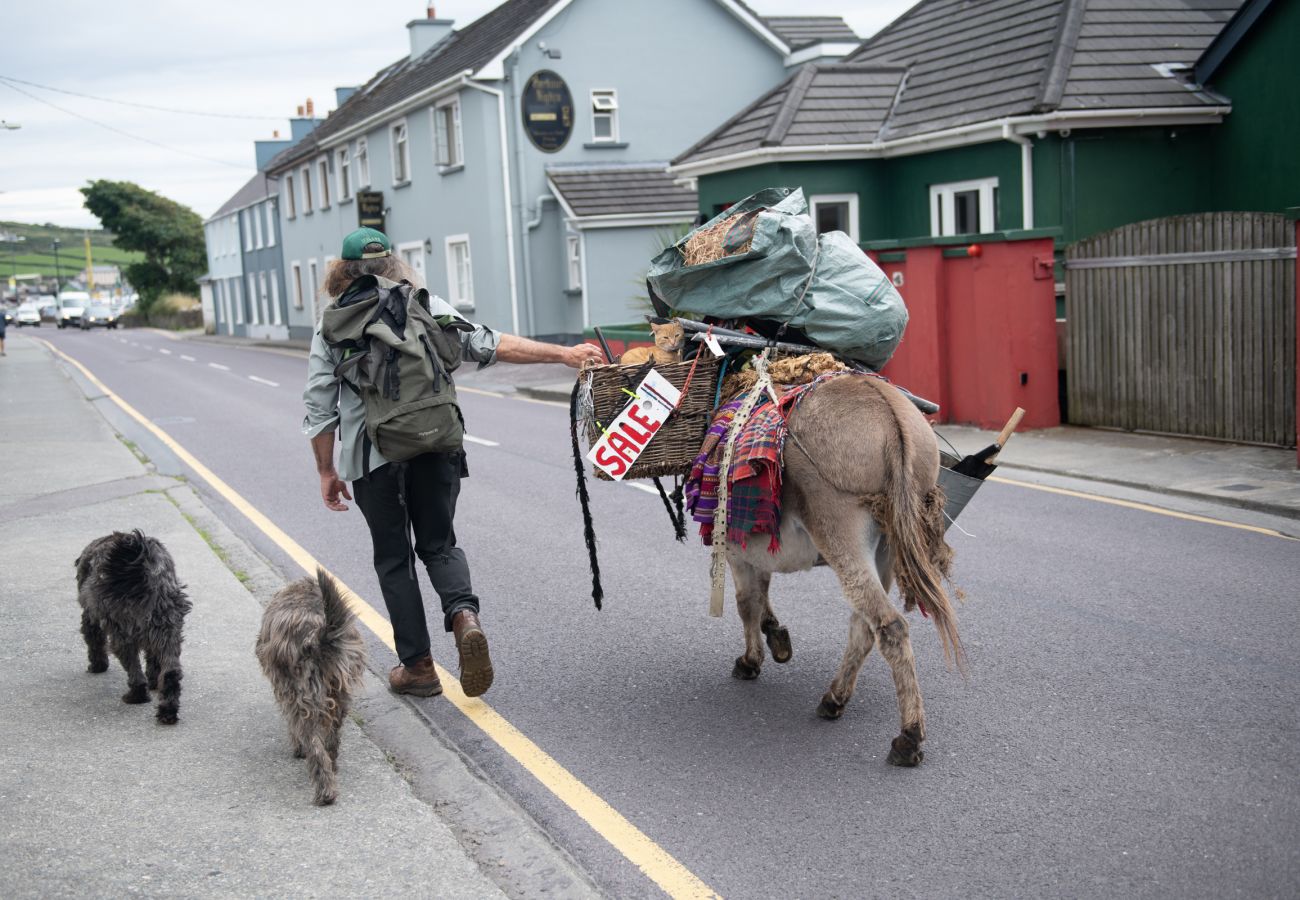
x=518, y=163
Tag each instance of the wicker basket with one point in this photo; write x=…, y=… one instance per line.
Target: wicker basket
x=674, y=449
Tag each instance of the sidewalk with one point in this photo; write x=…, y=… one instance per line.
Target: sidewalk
x=99, y=799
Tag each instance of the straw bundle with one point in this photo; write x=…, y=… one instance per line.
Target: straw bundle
x=785, y=371
x=727, y=238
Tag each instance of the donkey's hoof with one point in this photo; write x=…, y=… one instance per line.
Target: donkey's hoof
x=137, y=694
x=778, y=641
x=299, y=753
x=97, y=667
x=830, y=708
x=744, y=670
x=906, y=749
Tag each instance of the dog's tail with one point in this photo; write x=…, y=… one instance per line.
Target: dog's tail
x=339, y=618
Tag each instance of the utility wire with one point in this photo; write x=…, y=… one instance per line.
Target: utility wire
x=168, y=109
x=134, y=137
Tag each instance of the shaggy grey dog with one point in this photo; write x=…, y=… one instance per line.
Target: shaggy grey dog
x=310, y=649
x=131, y=602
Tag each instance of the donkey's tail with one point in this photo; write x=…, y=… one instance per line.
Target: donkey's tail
x=913, y=519
x=339, y=619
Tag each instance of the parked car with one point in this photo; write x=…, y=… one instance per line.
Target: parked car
x=28, y=314
x=98, y=316
x=72, y=307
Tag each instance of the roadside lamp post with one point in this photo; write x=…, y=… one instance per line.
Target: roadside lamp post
x=58, y=273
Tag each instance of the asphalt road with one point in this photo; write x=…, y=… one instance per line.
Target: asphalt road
x=1129, y=726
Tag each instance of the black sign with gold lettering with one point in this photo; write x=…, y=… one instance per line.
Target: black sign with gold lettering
x=370, y=209
x=548, y=111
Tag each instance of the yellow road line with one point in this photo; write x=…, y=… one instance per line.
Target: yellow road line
x=674, y=878
x=1144, y=507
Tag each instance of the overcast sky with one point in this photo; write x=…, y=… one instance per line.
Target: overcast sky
x=233, y=57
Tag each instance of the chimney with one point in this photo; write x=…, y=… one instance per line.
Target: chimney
x=311, y=113
x=300, y=110
x=341, y=95
x=428, y=32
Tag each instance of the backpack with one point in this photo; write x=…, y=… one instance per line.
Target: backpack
x=398, y=358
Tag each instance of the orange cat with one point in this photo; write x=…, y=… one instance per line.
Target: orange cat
x=669, y=339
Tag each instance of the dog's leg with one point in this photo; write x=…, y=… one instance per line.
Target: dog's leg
x=152, y=670
x=136, y=690
x=336, y=727
x=95, y=643
x=169, y=677
x=320, y=766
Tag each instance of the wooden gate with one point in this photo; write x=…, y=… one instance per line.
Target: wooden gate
x=1185, y=325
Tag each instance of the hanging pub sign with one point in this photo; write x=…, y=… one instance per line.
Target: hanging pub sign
x=548, y=111
x=370, y=209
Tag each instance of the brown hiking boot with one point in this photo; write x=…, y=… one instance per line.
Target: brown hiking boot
x=420, y=678
x=471, y=644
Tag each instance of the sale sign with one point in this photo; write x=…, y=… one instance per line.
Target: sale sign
x=625, y=437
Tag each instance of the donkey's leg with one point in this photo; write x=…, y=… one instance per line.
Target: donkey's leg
x=751, y=601
x=778, y=637
x=129, y=657
x=96, y=643
x=851, y=552
x=861, y=640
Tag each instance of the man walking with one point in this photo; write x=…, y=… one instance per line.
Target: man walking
x=414, y=499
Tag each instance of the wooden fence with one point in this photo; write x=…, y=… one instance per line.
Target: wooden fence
x=1185, y=325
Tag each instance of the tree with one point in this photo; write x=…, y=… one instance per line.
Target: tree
x=168, y=234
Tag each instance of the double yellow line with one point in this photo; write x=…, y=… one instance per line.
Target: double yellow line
x=657, y=864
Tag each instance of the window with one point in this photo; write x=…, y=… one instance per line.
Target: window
x=253, y=317
x=247, y=229
x=573, y=254
x=413, y=255
x=292, y=210
x=343, y=166
x=256, y=215
x=835, y=212
x=304, y=175
x=460, y=276
x=964, y=207
x=295, y=287
x=275, y=296
x=312, y=283
x=448, y=150
x=270, y=223
x=401, y=153
x=263, y=297
x=237, y=291
x=363, y=163
x=604, y=116
x=323, y=169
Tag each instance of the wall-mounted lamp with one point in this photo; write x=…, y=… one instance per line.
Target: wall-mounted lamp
x=549, y=52
x=428, y=245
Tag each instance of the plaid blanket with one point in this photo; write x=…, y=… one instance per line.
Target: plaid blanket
x=754, y=498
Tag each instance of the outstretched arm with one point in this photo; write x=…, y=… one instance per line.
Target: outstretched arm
x=332, y=488
x=515, y=349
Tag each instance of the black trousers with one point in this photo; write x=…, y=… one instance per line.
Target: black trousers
x=416, y=497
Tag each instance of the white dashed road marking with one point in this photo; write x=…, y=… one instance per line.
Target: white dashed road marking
x=164, y=350
x=263, y=381
x=484, y=441
x=187, y=358
x=642, y=487
x=220, y=366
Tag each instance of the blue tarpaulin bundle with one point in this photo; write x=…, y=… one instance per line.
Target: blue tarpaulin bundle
x=822, y=285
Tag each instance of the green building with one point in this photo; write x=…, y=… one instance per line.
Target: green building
x=972, y=117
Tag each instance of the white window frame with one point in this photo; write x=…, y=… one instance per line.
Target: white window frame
x=943, y=217
x=405, y=154
x=604, y=102
x=573, y=260
x=459, y=295
x=255, y=214
x=238, y=285
x=247, y=230
x=313, y=282
x=295, y=286
x=274, y=279
x=292, y=211
x=323, y=171
x=455, y=149
x=251, y=282
x=362, y=157
x=343, y=172
x=815, y=200
x=304, y=175
x=270, y=222
x=263, y=298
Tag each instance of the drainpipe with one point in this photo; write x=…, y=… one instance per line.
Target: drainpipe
x=508, y=197
x=1026, y=173
x=529, y=226
x=522, y=175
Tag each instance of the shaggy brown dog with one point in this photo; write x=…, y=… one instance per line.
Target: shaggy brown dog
x=310, y=649
x=131, y=602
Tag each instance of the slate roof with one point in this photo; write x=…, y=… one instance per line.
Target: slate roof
x=471, y=47
x=257, y=188
x=611, y=189
x=800, y=31
x=963, y=62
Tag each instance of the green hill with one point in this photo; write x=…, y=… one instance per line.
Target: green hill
x=35, y=253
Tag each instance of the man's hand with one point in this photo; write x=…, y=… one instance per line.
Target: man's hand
x=331, y=489
x=581, y=355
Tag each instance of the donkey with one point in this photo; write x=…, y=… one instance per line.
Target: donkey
x=860, y=494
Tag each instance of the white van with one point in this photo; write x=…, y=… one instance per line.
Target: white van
x=72, y=307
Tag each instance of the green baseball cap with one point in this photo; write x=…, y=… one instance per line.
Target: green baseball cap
x=366, y=243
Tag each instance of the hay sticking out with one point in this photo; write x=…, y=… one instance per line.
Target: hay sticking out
x=788, y=370
x=727, y=238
